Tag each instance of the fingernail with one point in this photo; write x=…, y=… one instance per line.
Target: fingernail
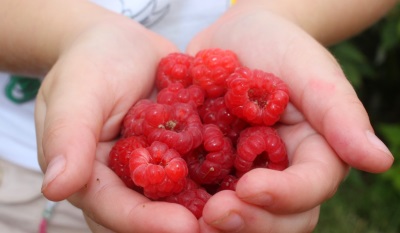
x=233, y=222
x=55, y=167
x=374, y=140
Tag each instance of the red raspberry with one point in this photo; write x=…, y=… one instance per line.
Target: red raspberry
x=210, y=69
x=121, y=153
x=209, y=126
x=178, y=125
x=133, y=120
x=193, y=199
x=159, y=170
x=211, y=162
x=260, y=141
x=190, y=184
x=214, y=111
x=264, y=162
x=174, y=68
x=176, y=92
x=280, y=166
x=228, y=183
x=256, y=96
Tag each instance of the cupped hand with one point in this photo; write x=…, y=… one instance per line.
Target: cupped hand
x=318, y=87
x=79, y=109
x=281, y=201
x=325, y=128
x=109, y=206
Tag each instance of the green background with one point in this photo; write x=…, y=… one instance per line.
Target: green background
x=370, y=203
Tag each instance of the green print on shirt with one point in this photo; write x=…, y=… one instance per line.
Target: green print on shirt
x=22, y=89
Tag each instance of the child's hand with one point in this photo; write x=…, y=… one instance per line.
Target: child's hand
x=327, y=121
x=318, y=87
x=281, y=201
x=80, y=105
x=109, y=205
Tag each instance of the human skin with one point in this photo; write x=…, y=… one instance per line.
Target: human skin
x=91, y=51
x=289, y=41
x=294, y=37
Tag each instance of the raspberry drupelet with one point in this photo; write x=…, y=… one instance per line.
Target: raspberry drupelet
x=177, y=93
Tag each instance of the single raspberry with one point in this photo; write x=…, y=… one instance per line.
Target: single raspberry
x=228, y=183
x=210, y=69
x=193, y=199
x=159, y=170
x=174, y=68
x=213, y=160
x=259, y=141
x=280, y=166
x=215, y=111
x=256, y=96
x=133, y=120
x=264, y=162
x=121, y=153
x=178, y=125
x=176, y=92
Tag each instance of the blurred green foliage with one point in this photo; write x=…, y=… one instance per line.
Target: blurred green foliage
x=370, y=203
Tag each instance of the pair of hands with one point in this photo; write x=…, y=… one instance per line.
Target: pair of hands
x=106, y=69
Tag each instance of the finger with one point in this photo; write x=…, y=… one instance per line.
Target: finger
x=67, y=141
x=107, y=201
x=313, y=176
x=68, y=159
x=95, y=227
x=333, y=108
x=225, y=212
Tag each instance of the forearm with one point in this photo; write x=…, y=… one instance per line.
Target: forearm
x=327, y=21
x=35, y=32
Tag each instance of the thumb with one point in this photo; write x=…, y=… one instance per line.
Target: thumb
x=70, y=121
x=66, y=147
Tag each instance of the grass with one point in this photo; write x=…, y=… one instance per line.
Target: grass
x=365, y=203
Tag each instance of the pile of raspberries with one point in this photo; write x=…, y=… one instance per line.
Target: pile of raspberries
x=212, y=122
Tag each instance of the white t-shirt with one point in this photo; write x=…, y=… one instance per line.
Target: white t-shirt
x=176, y=20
